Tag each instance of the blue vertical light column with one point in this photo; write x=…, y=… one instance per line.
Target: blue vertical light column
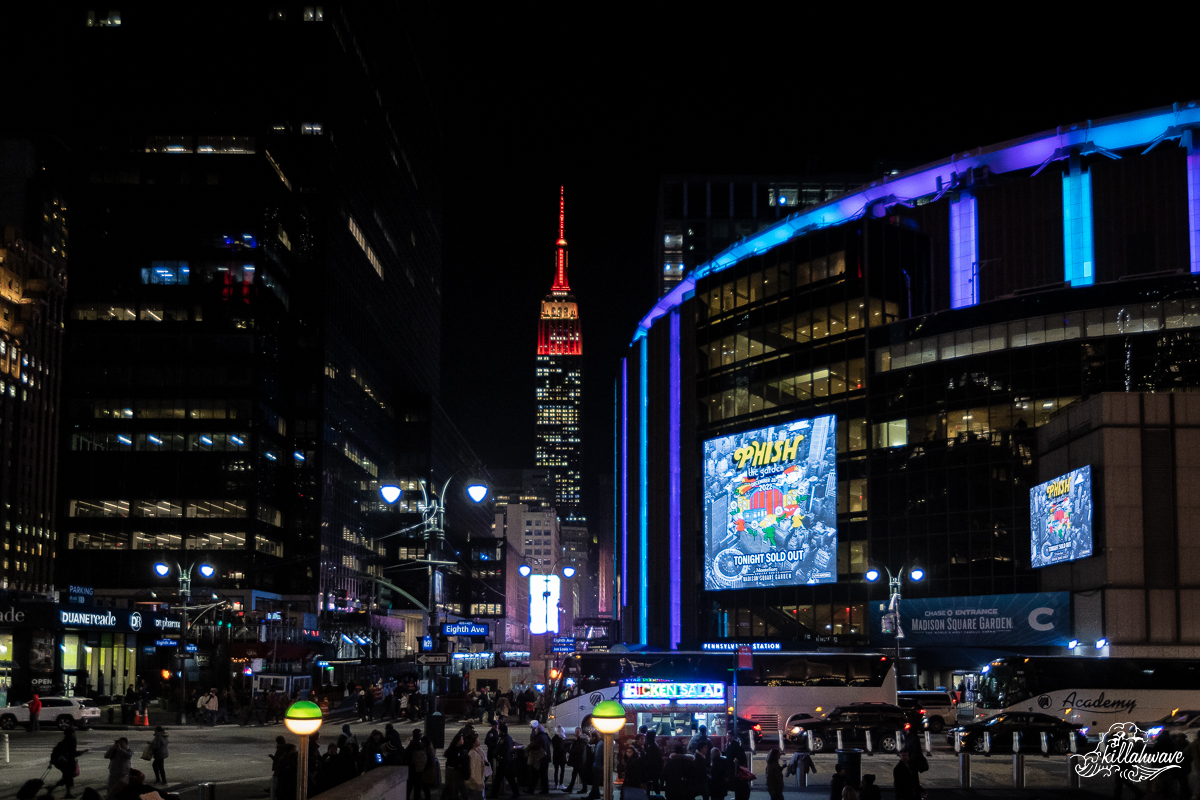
x=964, y=251
x=643, y=486
x=623, y=600
x=1078, y=250
x=618, y=483
x=674, y=531
x=1193, y=184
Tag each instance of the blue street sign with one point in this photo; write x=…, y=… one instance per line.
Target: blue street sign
x=427, y=642
x=465, y=629
x=166, y=642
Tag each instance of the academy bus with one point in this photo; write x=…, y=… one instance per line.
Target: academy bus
x=779, y=685
x=1094, y=692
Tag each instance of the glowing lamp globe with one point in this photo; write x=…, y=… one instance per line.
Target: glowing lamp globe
x=872, y=575
x=917, y=574
x=569, y=572
x=524, y=570
x=207, y=570
x=303, y=718
x=477, y=492
x=162, y=569
x=389, y=492
x=608, y=716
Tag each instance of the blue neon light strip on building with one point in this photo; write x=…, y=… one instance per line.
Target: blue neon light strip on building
x=1193, y=184
x=643, y=488
x=1114, y=133
x=619, y=475
x=1078, y=247
x=964, y=251
x=624, y=599
x=674, y=528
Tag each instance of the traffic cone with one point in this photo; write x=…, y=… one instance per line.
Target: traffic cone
x=146, y=718
x=137, y=718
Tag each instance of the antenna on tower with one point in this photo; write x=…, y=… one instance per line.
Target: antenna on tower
x=562, y=217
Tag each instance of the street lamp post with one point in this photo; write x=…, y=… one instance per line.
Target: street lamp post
x=608, y=717
x=433, y=523
x=893, y=613
x=303, y=718
x=185, y=595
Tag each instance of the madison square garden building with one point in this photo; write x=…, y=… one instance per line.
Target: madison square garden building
x=941, y=341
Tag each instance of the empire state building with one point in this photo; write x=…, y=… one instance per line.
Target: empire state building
x=560, y=385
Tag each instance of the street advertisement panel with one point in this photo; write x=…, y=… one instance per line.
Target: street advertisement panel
x=1060, y=518
x=544, y=596
x=989, y=620
x=770, y=506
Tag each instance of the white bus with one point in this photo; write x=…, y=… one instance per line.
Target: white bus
x=1095, y=692
x=779, y=685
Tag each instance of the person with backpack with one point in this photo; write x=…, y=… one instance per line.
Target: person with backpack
x=65, y=758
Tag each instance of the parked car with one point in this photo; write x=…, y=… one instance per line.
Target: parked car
x=1178, y=721
x=854, y=721
x=939, y=708
x=791, y=731
x=745, y=727
x=65, y=712
x=1031, y=726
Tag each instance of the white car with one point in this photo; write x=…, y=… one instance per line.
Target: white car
x=65, y=712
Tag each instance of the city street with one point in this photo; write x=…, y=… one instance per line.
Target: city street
x=236, y=759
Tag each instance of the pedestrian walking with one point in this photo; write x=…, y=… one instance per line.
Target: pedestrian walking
x=458, y=769
x=736, y=754
x=118, y=756
x=904, y=779
x=718, y=774
x=558, y=757
x=775, y=775
x=159, y=751
x=869, y=790
x=838, y=783
x=596, y=776
x=505, y=768
x=635, y=774
x=277, y=761
x=478, y=768
x=652, y=760
x=35, y=709
x=575, y=751
x=65, y=758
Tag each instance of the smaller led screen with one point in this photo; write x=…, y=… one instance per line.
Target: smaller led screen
x=770, y=506
x=544, y=594
x=1060, y=518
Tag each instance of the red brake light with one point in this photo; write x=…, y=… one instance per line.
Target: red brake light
x=758, y=728
x=922, y=711
x=907, y=725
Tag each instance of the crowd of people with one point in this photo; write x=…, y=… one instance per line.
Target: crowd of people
x=524, y=703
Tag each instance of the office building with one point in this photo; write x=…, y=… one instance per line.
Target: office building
x=559, y=424
x=950, y=318
x=33, y=283
x=253, y=340
x=701, y=215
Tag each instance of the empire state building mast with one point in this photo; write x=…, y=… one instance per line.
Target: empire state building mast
x=560, y=384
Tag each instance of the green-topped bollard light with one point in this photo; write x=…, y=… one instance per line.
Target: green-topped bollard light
x=608, y=717
x=303, y=718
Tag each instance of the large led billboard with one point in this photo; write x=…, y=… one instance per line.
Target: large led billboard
x=1060, y=518
x=544, y=595
x=770, y=506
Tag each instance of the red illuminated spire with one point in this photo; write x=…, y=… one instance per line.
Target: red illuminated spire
x=558, y=329
x=560, y=272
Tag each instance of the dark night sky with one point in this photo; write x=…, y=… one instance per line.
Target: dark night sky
x=606, y=114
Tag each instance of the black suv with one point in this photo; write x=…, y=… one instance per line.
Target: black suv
x=854, y=721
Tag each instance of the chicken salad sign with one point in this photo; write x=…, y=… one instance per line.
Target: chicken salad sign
x=770, y=506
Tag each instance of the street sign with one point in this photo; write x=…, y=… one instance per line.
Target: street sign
x=166, y=642
x=465, y=629
x=562, y=644
x=191, y=648
x=434, y=659
x=745, y=657
x=427, y=642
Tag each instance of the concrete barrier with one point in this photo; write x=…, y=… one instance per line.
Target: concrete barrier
x=378, y=784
